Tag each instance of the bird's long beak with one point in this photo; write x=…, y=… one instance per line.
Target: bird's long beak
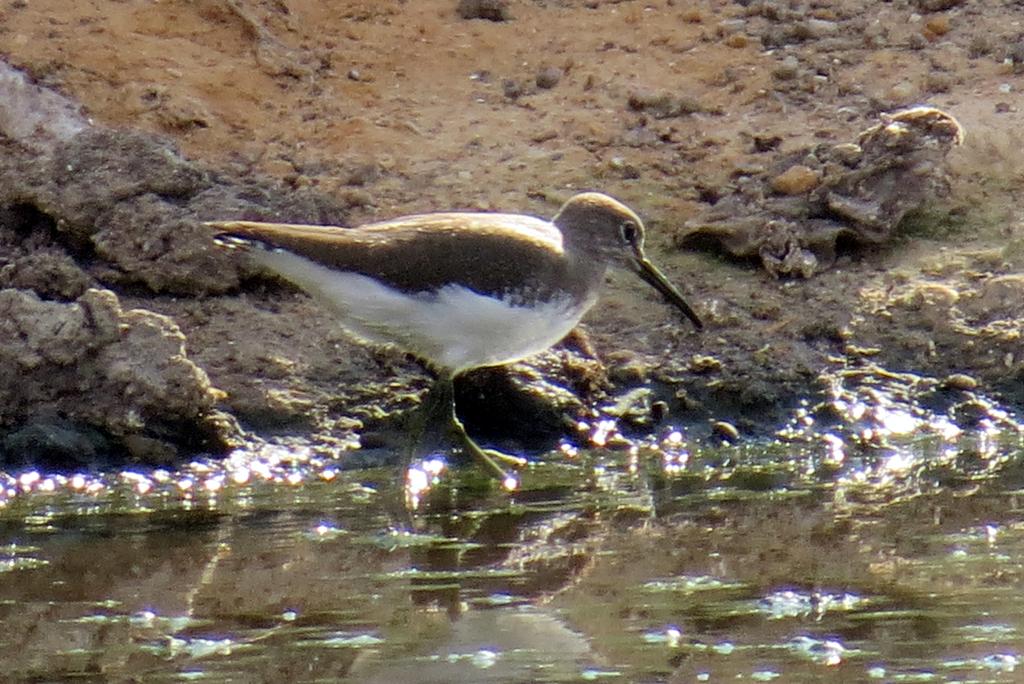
x=650, y=274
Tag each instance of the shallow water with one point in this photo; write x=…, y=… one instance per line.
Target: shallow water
x=829, y=554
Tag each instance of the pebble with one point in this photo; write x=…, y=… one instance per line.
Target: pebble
x=512, y=88
x=728, y=26
x=939, y=82
x=820, y=28
x=938, y=26
x=916, y=41
x=937, y=5
x=960, y=381
x=724, y=430
x=544, y=135
x=737, y=40
x=548, y=77
x=692, y=16
x=847, y=153
x=787, y=69
x=492, y=10
x=796, y=180
x=904, y=91
x=355, y=197
x=702, y=364
x=663, y=104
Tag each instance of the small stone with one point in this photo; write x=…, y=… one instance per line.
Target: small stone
x=730, y=26
x=938, y=25
x=627, y=369
x=737, y=40
x=961, y=382
x=663, y=104
x=820, y=28
x=916, y=41
x=491, y=10
x=904, y=91
x=355, y=197
x=766, y=143
x=544, y=135
x=512, y=88
x=979, y=46
x=1015, y=57
x=787, y=69
x=937, y=5
x=548, y=77
x=939, y=82
x=702, y=364
x=847, y=153
x=796, y=180
x=725, y=431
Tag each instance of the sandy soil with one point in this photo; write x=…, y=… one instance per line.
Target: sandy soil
x=399, y=107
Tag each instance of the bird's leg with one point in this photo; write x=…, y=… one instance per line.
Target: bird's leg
x=439, y=411
x=431, y=422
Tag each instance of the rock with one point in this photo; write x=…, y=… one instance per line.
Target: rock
x=50, y=442
x=512, y=89
x=548, y=77
x=820, y=28
x=937, y=26
x=663, y=104
x=132, y=200
x=737, y=40
x=123, y=373
x=50, y=272
x=796, y=180
x=792, y=215
x=492, y=10
x=37, y=117
x=901, y=92
x=937, y=5
x=961, y=382
x=787, y=69
x=725, y=431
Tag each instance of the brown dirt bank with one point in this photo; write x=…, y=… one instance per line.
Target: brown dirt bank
x=348, y=112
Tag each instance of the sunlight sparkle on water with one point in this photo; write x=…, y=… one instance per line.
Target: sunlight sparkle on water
x=674, y=456
x=671, y=636
x=420, y=477
x=826, y=652
x=836, y=449
x=568, y=450
x=327, y=531
x=897, y=422
x=602, y=432
x=900, y=462
x=26, y=480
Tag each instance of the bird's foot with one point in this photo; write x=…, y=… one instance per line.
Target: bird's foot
x=498, y=462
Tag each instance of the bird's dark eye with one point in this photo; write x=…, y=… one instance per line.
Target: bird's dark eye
x=629, y=232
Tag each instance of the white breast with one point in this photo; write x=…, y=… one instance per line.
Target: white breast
x=454, y=328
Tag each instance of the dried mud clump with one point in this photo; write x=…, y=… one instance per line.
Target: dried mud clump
x=128, y=204
x=84, y=209
x=91, y=365
x=791, y=216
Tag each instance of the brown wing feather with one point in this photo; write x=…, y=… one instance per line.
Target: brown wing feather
x=424, y=253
